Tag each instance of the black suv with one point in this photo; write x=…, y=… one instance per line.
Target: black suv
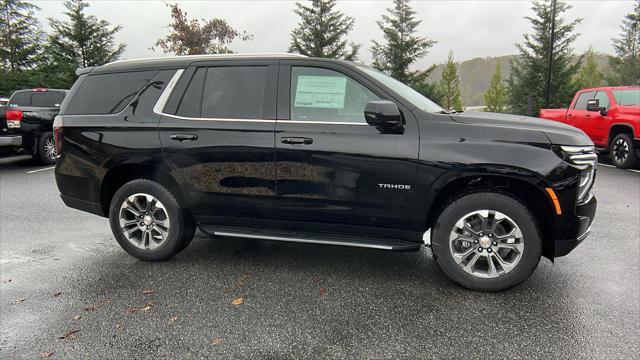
x=289, y=148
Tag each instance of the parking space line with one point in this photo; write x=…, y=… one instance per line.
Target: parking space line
x=37, y=170
x=607, y=165
x=638, y=171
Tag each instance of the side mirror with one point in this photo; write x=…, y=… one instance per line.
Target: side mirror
x=594, y=105
x=383, y=113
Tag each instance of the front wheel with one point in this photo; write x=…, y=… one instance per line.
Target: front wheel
x=623, y=154
x=148, y=221
x=486, y=241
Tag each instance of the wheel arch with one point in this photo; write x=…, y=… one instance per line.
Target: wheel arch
x=531, y=195
x=121, y=174
x=619, y=128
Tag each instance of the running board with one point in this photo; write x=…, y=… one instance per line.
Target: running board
x=306, y=238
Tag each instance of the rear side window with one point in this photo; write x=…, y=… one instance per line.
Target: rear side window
x=21, y=99
x=47, y=99
x=581, y=103
x=234, y=92
x=629, y=97
x=108, y=93
x=191, y=103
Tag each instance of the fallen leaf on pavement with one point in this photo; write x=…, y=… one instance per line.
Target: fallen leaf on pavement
x=47, y=354
x=57, y=293
x=238, y=301
x=131, y=311
x=217, y=341
x=70, y=333
x=323, y=291
x=91, y=307
x=315, y=279
x=173, y=319
x=148, y=291
x=20, y=300
x=148, y=307
x=77, y=317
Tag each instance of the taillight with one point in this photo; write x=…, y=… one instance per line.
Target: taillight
x=13, y=117
x=57, y=133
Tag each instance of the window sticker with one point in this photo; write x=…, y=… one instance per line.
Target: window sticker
x=325, y=92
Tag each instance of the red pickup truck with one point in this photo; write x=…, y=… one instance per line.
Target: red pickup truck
x=611, y=118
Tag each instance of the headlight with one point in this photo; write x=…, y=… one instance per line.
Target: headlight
x=585, y=159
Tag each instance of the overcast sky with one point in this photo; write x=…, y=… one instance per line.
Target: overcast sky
x=469, y=28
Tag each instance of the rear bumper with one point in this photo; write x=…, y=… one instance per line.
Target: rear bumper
x=13, y=141
x=83, y=205
x=585, y=212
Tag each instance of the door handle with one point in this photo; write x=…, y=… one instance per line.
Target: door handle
x=297, y=140
x=587, y=115
x=183, y=137
x=569, y=114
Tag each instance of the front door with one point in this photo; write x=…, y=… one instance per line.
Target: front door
x=217, y=137
x=331, y=166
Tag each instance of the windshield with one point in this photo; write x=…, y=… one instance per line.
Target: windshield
x=414, y=97
x=627, y=97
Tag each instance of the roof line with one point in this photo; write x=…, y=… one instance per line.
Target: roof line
x=200, y=56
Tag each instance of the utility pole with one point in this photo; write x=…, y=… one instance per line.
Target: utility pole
x=547, y=95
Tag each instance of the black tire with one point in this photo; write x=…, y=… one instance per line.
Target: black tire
x=180, y=232
x=622, y=153
x=507, y=205
x=44, y=154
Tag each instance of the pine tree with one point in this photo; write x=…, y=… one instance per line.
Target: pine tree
x=495, y=98
x=401, y=46
x=589, y=76
x=322, y=31
x=20, y=35
x=190, y=37
x=82, y=41
x=626, y=63
x=529, y=71
x=450, y=85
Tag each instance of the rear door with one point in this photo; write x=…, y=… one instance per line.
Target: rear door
x=217, y=137
x=332, y=167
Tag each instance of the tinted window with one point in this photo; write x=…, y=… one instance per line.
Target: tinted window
x=47, y=99
x=327, y=95
x=604, y=99
x=627, y=97
x=581, y=103
x=22, y=98
x=108, y=93
x=191, y=103
x=234, y=92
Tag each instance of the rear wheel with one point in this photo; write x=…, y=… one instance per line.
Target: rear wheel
x=487, y=242
x=46, y=149
x=148, y=221
x=622, y=153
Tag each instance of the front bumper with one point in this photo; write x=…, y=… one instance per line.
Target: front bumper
x=585, y=212
x=14, y=141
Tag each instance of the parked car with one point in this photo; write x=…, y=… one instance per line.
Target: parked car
x=611, y=118
x=26, y=122
x=318, y=151
x=4, y=101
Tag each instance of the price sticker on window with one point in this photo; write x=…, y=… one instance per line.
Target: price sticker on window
x=326, y=92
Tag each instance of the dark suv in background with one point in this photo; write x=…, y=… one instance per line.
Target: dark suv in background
x=289, y=148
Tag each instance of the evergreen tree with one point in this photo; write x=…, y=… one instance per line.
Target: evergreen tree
x=450, y=85
x=589, y=76
x=529, y=71
x=495, y=98
x=190, y=37
x=322, y=31
x=20, y=35
x=401, y=46
x=626, y=63
x=82, y=41
x=430, y=90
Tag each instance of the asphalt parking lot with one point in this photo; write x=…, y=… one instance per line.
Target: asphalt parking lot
x=68, y=291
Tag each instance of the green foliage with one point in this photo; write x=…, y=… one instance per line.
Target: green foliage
x=496, y=96
x=401, y=46
x=190, y=37
x=322, y=31
x=626, y=63
x=529, y=71
x=430, y=90
x=82, y=41
x=589, y=76
x=450, y=86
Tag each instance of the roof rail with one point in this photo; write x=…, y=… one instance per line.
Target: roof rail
x=207, y=56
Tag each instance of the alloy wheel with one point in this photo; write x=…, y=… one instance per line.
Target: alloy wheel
x=486, y=243
x=620, y=151
x=50, y=148
x=144, y=221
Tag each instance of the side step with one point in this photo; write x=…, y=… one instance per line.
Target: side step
x=312, y=238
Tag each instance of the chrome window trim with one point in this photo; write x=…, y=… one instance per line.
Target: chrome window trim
x=162, y=100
